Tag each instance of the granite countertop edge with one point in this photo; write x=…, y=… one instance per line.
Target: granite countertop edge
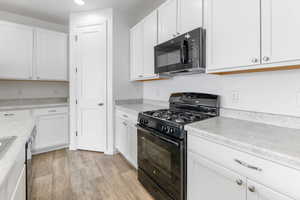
x=32, y=106
x=276, y=157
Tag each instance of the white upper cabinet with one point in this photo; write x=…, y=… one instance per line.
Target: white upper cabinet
x=256, y=191
x=51, y=55
x=190, y=15
x=149, y=42
x=143, y=38
x=16, y=51
x=233, y=33
x=280, y=30
x=212, y=182
x=136, y=52
x=167, y=21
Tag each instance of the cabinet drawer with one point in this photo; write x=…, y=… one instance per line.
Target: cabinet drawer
x=49, y=111
x=279, y=178
x=15, y=114
x=126, y=116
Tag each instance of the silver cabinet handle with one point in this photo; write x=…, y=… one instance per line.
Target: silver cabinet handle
x=247, y=165
x=125, y=124
x=251, y=188
x=178, y=33
x=52, y=111
x=239, y=182
x=100, y=104
x=9, y=114
x=254, y=60
x=125, y=116
x=266, y=58
x=141, y=76
x=174, y=35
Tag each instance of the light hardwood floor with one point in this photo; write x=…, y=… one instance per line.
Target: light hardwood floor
x=82, y=175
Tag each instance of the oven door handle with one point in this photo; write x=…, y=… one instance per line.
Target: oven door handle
x=156, y=135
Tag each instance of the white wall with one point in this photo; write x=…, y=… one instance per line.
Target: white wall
x=275, y=92
x=123, y=87
x=33, y=89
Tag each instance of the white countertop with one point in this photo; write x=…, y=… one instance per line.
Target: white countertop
x=278, y=144
x=139, y=107
x=21, y=128
x=21, y=104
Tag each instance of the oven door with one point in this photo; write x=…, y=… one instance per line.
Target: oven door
x=163, y=160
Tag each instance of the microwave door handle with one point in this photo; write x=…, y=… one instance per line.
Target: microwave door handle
x=184, y=54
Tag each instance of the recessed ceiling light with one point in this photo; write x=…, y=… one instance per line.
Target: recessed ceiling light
x=79, y=2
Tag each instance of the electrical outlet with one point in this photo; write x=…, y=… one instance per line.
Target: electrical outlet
x=235, y=96
x=298, y=98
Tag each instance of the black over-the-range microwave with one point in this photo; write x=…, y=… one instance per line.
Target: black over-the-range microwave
x=184, y=54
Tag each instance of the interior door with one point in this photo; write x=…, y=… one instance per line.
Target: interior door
x=233, y=34
x=16, y=51
x=51, y=55
x=280, y=30
x=259, y=192
x=167, y=21
x=92, y=92
x=213, y=182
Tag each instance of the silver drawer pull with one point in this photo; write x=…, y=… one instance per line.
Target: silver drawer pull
x=125, y=116
x=9, y=114
x=239, y=182
x=247, y=165
x=52, y=111
x=124, y=123
x=251, y=188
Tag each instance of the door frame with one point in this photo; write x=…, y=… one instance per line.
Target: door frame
x=79, y=21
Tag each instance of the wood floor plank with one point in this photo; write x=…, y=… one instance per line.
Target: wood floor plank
x=84, y=175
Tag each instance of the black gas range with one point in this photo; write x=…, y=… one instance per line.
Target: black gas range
x=162, y=143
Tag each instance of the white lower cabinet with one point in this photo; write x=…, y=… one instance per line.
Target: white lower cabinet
x=207, y=180
x=257, y=191
x=218, y=172
x=126, y=137
x=52, y=129
x=20, y=190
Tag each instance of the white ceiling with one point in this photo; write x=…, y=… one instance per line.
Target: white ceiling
x=57, y=11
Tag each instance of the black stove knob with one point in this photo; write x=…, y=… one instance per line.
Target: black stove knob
x=172, y=130
x=146, y=121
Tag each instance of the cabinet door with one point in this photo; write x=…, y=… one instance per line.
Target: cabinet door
x=16, y=51
x=122, y=136
x=136, y=48
x=233, y=34
x=190, y=15
x=52, y=131
x=132, y=144
x=149, y=42
x=51, y=55
x=280, y=30
x=167, y=21
x=20, y=190
x=121, y=132
x=259, y=192
x=210, y=181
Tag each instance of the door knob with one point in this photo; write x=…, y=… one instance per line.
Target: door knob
x=251, y=188
x=254, y=60
x=100, y=104
x=239, y=182
x=266, y=58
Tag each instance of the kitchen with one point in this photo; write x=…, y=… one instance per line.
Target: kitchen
x=158, y=100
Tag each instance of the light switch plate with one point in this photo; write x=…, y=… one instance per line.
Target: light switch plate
x=298, y=98
x=235, y=96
